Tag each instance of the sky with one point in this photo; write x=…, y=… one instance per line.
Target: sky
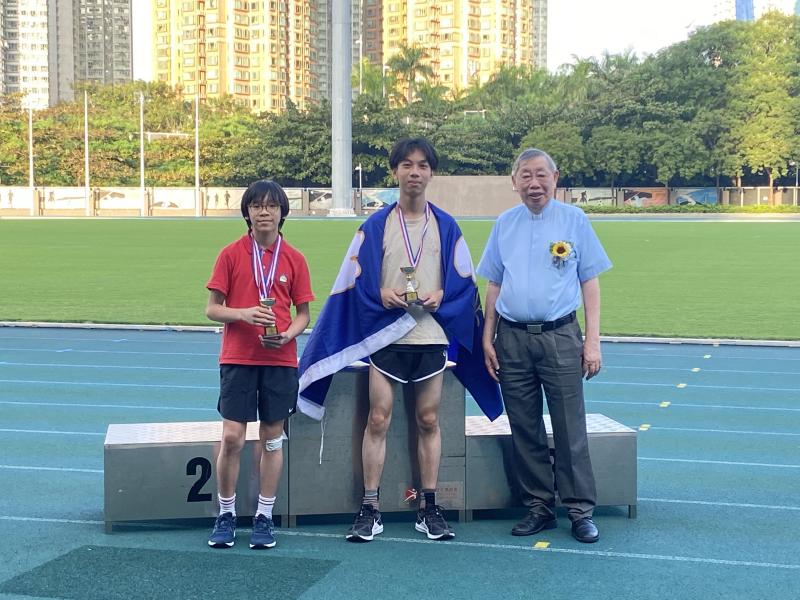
x=588, y=27
x=576, y=27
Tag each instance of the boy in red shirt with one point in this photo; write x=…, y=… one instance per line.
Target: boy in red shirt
x=255, y=281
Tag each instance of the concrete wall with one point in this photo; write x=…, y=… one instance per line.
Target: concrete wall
x=467, y=196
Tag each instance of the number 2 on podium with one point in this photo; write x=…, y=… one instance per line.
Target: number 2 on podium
x=205, y=475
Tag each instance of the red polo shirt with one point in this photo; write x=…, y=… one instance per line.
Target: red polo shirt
x=233, y=277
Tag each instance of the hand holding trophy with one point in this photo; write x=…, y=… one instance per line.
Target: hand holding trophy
x=269, y=330
x=410, y=295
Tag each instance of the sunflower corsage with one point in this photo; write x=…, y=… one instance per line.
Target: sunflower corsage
x=561, y=252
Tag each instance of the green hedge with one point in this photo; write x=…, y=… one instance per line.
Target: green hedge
x=763, y=209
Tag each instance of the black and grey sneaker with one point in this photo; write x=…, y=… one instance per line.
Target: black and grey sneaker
x=224, y=532
x=366, y=525
x=430, y=520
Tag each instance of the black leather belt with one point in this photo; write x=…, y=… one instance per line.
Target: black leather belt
x=541, y=326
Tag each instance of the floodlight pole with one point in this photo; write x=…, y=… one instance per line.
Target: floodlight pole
x=141, y=154
x=30, y=160
x=198, y=208
x=88, y=189
x=341, y=111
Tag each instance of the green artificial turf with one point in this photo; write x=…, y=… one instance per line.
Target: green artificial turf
x=694, y=279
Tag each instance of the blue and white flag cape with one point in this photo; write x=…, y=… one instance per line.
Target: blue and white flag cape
x=354, y=324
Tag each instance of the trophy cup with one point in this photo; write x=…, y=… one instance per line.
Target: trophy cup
x=410, y=294
x=269, y=330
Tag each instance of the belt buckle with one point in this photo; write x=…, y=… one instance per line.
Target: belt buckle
x=534, y=327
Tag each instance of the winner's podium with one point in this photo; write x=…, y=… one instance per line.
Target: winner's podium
x=325, y=468
x=491, y=480
x=168, y=471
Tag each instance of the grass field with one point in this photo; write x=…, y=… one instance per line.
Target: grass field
x=693, y=279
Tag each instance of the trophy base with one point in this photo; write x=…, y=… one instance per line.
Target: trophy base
x=411, y=297
x=270, y=331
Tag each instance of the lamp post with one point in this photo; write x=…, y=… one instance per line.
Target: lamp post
x=383, y=80
x=794, y=164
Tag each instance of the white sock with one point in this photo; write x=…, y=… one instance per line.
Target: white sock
x=227, y=504
x=265, y=506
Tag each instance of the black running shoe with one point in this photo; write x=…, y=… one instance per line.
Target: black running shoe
x=430, y=521
x=366, y=526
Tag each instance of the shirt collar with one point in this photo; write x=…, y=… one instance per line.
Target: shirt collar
x=247, y=241
x=545, y=214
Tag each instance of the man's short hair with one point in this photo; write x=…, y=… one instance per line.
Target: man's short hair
x=265, y=190
x=530, y=153
x=403, y=148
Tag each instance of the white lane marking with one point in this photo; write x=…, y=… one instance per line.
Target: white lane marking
x=125, y=406
x=689, y=356
x=84, y=366
x=658, y=427
x=38, y=431
x=484, y=546
x=685, y=405
x=695, y=385
x=110, y=384
x=729, y=504
x=719, y=462
x=63, y=469
x=683, y=369
x=604, y=553
x=149, y=353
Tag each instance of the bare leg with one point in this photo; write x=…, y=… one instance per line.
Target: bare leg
x=429, y=446
x=373, y=448
x=271, y=463
x=233, y=438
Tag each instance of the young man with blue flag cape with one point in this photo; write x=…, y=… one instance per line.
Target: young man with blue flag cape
x=406, y=298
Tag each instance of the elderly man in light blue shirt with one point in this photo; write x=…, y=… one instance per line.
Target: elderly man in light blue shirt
x=541, y=259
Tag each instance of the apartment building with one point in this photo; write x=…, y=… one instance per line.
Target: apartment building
x=2, y=50
x=24, y=48
x=260, y=53
x=748, y=10
x=89, y=40
x=466, y=40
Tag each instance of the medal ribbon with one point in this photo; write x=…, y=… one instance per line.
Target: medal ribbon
x=412, y=259
x=263, y=280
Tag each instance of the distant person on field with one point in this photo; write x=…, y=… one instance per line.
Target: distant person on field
x=255, y=281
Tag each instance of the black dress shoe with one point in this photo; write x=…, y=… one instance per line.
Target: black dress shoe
x=584, y=530
x=533, y=523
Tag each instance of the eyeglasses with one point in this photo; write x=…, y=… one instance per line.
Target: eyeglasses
x=259, y=206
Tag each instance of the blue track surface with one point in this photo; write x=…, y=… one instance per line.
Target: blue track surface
x=719, y=474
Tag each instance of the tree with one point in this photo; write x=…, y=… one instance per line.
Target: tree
x=564, y=143
x=614, y=152
x=763, y=97
x=472, y=146
x=409, y=64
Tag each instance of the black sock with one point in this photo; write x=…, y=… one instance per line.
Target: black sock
x=429, y=497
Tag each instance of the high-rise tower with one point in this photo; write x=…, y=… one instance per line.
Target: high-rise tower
x=88, y=40
x=24, y=45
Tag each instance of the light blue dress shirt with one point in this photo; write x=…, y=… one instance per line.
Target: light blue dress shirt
x=534, y=287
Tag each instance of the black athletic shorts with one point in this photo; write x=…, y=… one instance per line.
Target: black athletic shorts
x=409, y=362
x=257, y=392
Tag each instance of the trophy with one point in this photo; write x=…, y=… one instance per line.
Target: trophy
x=269, y=330
x=410, y=294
